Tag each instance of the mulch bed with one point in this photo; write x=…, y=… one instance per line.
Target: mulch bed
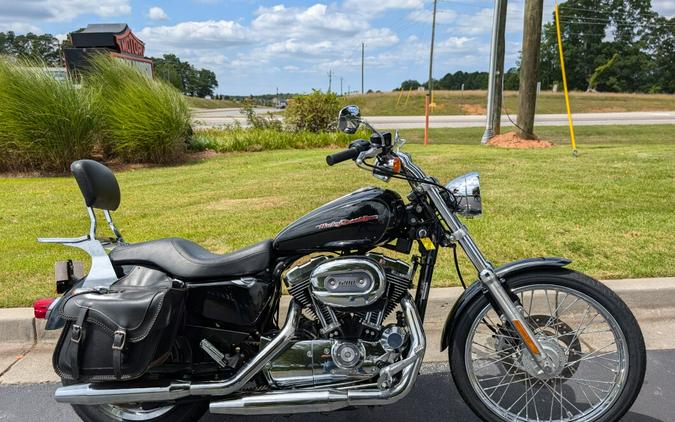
x=513, y=140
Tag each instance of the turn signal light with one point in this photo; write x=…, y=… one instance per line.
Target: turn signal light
x=526, y=338
x=395, y=165
x=41, y=306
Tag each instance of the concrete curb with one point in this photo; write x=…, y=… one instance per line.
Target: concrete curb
x=653, y=297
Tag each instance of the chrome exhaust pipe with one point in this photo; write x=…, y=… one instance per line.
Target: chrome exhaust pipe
x=324, y=400
x=92, y=394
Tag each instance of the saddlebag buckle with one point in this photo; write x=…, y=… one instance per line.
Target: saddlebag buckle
x=119, y=339
x=76, y=335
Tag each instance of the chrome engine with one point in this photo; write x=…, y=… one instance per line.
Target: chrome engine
x=345, y=301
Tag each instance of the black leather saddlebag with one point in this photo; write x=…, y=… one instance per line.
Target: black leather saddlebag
x=120, y=333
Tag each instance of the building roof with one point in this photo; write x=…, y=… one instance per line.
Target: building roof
x=114, y=28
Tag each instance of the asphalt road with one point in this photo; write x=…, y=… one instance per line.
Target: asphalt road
x=218, y=117
x=434, y=399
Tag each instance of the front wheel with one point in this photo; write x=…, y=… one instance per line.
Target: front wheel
x=587, y=331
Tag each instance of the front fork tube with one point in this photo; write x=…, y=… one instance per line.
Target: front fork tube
x=458, y=233
x=514, y=315
x=486, y=273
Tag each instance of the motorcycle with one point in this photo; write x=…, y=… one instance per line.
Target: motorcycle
x=164, y=330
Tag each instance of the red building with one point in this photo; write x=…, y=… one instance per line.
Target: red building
x=115, y=39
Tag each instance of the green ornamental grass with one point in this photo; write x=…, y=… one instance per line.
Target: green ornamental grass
x=144, y=119
x=251, y=139
x=45, y=124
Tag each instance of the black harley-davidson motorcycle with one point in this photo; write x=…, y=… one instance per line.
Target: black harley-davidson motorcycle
x=165, y=330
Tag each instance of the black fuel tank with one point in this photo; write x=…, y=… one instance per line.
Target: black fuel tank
x=364, y=218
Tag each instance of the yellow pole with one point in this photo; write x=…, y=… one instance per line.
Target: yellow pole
x=408, y=96
x=399, y=97
x=564, y=80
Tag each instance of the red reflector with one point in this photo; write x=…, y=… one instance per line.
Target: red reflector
x=41, y=306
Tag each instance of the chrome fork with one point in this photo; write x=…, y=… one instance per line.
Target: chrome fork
x=458, y=233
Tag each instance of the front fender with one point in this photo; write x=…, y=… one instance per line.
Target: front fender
x=476, y=289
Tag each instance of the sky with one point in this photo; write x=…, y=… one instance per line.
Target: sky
x=256, y=47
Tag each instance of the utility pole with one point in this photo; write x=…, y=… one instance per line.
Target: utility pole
x=340, y=86
x=431, y=54
x=363, y=56
x=330, y=80
x=529, y=67
x=494, y=99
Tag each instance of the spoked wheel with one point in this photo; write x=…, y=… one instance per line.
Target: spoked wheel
x=147, y=412
x=187, y=412
x=134, y=413
x=587, y=332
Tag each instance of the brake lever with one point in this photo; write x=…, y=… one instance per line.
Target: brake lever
x=371, y=153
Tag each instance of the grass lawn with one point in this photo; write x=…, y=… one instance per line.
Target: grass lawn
x=473, y=102
x=610, y=209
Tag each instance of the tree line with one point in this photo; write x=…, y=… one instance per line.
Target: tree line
x=184, y=76
x=47, y=48
x=610, y=46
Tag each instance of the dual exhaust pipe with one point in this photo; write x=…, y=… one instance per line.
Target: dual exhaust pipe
x=275, y=402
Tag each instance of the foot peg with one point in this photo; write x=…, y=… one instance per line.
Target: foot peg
x=221, y=359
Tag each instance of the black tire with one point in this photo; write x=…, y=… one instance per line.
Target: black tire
x=186, y=412
x=183, y=412
x=572, y=280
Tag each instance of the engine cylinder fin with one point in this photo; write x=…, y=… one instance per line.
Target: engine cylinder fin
x=397, y=288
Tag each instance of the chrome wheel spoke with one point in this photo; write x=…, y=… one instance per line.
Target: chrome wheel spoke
x=580, y=336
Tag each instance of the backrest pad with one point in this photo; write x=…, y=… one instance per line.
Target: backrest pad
x=97, y=184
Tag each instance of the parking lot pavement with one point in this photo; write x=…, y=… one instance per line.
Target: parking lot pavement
x=433, y=399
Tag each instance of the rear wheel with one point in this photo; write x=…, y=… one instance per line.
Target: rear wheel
x=589, y=334
x=188, y=412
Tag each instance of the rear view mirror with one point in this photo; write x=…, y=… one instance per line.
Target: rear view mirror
x=349, y=119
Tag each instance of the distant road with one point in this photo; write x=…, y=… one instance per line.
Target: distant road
x=222, y=116
x=205, y=118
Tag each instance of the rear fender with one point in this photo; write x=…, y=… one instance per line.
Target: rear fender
x=54, y=320
x=476, y=290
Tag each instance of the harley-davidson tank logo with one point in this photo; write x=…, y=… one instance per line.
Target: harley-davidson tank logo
x=347, y=222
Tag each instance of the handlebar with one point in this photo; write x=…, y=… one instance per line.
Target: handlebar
x=341, y=156
x=355, y=148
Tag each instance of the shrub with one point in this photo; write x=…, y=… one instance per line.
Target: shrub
x=315, y=112
x=45, y=124
x=249, y=139
x=256, y=121
x=143, y=119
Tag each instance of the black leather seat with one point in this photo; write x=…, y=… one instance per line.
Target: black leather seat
x=187, y=261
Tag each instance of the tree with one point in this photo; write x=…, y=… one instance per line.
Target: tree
x=593, y=79
x=206, y=82
x=31, y=46
x=594, y=31
x=184, y=76
x=409, y=84
x=661, y=47
x=512, y=79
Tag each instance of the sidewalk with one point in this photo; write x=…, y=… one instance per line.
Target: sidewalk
x=26, y=348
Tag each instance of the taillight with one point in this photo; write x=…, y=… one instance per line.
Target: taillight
x=41, y=306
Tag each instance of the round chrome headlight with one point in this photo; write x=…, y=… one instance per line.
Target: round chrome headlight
x=466, y=189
